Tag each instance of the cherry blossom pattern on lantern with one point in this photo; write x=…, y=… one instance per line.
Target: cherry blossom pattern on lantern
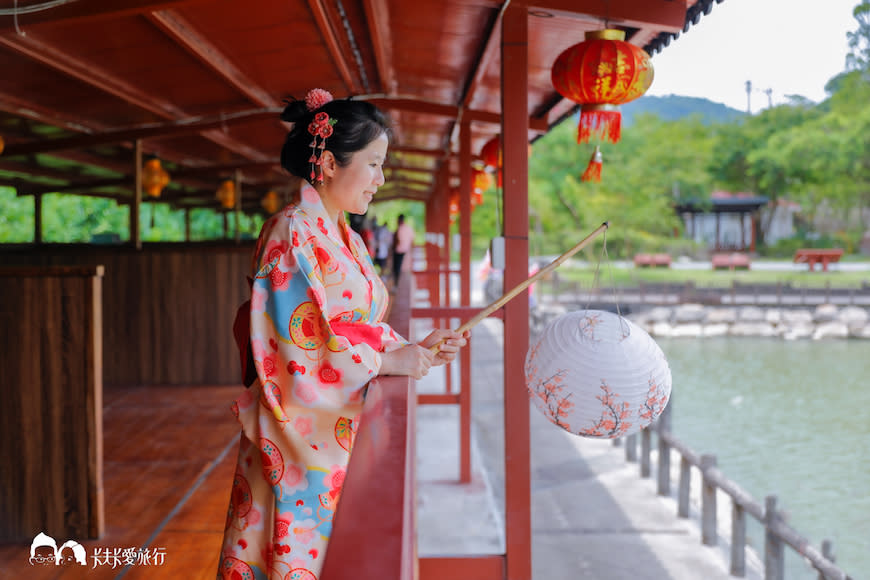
x=597, y=374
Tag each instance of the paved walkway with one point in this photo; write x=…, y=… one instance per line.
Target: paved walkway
x=593, y=516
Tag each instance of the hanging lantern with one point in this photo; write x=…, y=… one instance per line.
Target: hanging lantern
x=480, y=181
x=2, y=144
x=226, y=194
x=491, y=153
x=593, y=170
x=601, y=73
x=154, y=178
x=596, y=374
x=271, y=202
x=453, y=205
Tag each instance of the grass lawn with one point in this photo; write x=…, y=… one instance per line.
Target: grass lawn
x=628, y=277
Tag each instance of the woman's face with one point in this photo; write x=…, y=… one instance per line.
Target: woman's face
x=352, y=187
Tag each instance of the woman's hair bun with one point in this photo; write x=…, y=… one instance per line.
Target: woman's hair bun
x=294, y=111
x=314, y=100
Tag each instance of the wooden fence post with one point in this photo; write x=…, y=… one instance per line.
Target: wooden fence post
x=631, y=447
x=645, y=448
x=708, y=502
x=738, y=539
x=774, y=550
x=685, y=487
x=827, y=552
x=664, y=467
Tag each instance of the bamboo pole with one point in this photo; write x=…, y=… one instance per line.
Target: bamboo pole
x=510, y=295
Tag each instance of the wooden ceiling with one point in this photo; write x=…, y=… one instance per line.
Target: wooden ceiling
x=201, y=83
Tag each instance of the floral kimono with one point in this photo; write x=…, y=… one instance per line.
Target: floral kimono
x=315, y=338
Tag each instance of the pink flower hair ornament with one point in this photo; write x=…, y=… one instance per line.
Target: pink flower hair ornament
x=320, y=127
x=316, y=98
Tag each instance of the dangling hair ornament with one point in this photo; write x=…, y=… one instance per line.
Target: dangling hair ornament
x=320, y=127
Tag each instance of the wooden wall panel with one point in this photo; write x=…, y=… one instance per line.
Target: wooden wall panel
x=51, y=416
x=168, y=309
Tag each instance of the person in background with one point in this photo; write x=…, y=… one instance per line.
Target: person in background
x=311, y=338
x=383, y=245
x=403, y=241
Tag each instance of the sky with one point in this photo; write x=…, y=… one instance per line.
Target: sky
x=792, y=47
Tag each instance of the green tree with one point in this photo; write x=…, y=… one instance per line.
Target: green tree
x=746, y=156
x=859, y=40
x=654, y=161
x=16, y=217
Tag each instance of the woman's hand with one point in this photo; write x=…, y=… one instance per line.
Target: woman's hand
x=412, y=360
x=449, y=342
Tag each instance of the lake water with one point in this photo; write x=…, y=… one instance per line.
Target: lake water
x=788, y=418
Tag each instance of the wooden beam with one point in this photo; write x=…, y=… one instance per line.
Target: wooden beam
x=158, y=130
x=378, y=17
x=408, y=151
x=333, y=46
x=36, y=170
x=537, y=125
x=185, y=34
x=451, y=111
x=84, y=10
x=482, y=63
x=402, y=194
x=403, y=181
x=21, y=108
x=665, y=15
x=62, y=62
x=486, y=58
x=398, y=167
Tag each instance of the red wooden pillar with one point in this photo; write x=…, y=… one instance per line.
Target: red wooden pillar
x=515, y=121
x=465, y=299
x=465, y=211
x=433, y=256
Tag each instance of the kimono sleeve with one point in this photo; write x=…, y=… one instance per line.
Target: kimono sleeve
x=294, y=345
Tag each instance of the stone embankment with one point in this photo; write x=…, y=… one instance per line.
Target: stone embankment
x=697, y=321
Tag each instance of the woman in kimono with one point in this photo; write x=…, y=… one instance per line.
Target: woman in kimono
x=316, y=338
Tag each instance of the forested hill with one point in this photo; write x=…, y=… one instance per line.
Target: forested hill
x=674, y=107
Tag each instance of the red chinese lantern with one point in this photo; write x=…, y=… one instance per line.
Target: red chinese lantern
x=453, y=205
x=601, y=73
x=2, y=144
x=491, y=153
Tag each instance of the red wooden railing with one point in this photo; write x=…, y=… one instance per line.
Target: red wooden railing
x=374, y=531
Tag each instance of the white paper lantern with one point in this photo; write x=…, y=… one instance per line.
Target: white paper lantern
x=597, y=374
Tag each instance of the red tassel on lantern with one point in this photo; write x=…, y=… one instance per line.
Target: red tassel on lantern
x=599, y=123
x=593, y=170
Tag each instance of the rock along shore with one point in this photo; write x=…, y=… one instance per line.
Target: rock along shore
x=700, y=321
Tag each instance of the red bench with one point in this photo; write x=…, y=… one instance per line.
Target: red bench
x=813, y=256
x=652, y=260
x=730, y=261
